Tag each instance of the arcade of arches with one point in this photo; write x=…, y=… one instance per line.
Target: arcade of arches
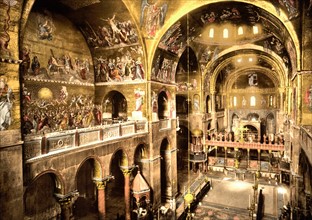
x=123, y=109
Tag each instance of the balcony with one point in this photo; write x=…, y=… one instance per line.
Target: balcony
x=40, y=146
x=246, y=145
x=164, y=124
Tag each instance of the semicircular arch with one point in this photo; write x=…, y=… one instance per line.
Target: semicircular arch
x=265, y=6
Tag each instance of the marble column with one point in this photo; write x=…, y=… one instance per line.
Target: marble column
x=236, y=163
x=225, y=156
x=259, y=159
x=127, y=173
x=100, y=185
x=248, y=158
x=281, y=92
x=66, y=202
x=213, y=110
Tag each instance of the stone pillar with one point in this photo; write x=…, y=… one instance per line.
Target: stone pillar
x=100, y=185
x=259, y=157
x=66, y=202
x=248, y=158
x=225, y=156
x=281, y=92
x=213, y=110
x=236, y=163
x=127, y=173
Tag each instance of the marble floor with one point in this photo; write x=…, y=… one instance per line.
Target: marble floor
x=228, y=199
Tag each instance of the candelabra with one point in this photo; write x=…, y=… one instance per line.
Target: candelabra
x=253, y=203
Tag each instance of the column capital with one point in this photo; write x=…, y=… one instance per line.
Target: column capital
x=126, y=170
x=68, y=198
x=101, y=182
x=281, y=89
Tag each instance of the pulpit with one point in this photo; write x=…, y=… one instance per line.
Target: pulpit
x=198, y=156
x=141, y=193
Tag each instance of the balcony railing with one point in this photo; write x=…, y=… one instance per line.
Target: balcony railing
x=38, y=146
x=164, y=124
x=246, y=145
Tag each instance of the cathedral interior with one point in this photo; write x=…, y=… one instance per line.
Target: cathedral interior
x=155, y=109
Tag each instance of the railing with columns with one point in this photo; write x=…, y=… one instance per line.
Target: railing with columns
x=246, y=145
x=164, y=124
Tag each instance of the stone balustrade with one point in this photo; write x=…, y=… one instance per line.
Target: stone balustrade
x=41, y=145
x=164, y=124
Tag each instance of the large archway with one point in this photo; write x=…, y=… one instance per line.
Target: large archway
x=165, y=169
x=163, y=105
x=45, y=187
x=140, y=157
x=114, y=107
x=86, y=204
x=115, y=197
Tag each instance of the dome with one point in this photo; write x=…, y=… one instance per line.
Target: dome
x=139, y=185
x=197, y=132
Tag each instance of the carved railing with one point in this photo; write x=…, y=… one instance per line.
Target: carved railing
x=40, y=145
x=246, y=145
x=164, y=124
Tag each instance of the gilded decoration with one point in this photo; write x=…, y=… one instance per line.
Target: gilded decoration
x=4, y=34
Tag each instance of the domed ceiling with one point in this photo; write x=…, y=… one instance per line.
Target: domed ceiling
x=232, y=37
x=218, y=33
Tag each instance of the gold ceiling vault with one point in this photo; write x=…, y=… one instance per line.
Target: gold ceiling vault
x=189, y=6
x=280, y=71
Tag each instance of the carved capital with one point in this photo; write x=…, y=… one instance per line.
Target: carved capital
x=100, y=184
x=68, y=199
x=126, y=170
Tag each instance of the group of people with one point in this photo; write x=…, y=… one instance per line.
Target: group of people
x=112, y=33
x=45, y=116
x=119, y=69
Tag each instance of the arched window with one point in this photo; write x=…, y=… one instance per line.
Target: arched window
x=211, y=32
x=234, y=101
x=240, y=30
x=271, y=101
x=225, y=33
x=255, y=29
x=252, y=101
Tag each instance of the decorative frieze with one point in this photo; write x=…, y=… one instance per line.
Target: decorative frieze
x=111, y=132
x=32, y=148
x=89, y=137
x=57, y=143
x=127, y=129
